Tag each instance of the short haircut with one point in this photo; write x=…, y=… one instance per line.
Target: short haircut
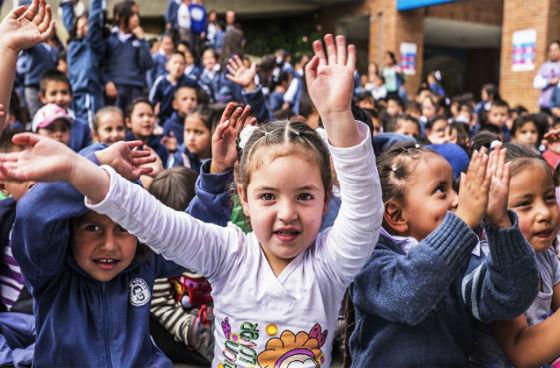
x=405, y=117
x=54, y=75
x=174, y=187
x=103, y=111
x=196, y=89
x=499, y=103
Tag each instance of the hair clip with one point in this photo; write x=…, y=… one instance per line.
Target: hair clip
x=266, y=133
x=394, y=168
x=295, y=132
x=417, y=146
x=494, y=144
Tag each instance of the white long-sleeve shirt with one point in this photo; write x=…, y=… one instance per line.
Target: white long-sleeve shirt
x=261, y=318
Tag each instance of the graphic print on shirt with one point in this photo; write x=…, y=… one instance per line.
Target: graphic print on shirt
x=289, y=350
x=139, y=292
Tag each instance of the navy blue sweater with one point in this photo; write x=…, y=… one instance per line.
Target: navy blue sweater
x=81, y=321
x=84, y=54
x=418, y=309
x=80, y=135
x=35, y=62
x=163, y=92
x=126, y=63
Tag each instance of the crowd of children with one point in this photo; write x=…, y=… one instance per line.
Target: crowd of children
x=155, y=210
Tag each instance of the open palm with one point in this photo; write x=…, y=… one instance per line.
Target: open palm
x=44, y=160
x=330, y=76
x=25, y=26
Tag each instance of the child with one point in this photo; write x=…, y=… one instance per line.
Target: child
x=161, y=58
x=181, y=306
x=408, y=125
x=55, y=89
x=141, y=121
x=532, y=198
x=54, y=122
x=210, y=79
x=17, y=324
x=163, y=90
x=85, y=50
x=108, y=125
x=197, y=139
x=292, y=278
x=127, y=58
x=184, y=100
x=498, y=116
x=426, y=281
x=525, y=131
x=435, y=130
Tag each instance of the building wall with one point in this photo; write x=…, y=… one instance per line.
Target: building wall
x=541, y=15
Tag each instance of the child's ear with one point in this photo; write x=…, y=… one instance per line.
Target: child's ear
x=42, y=97
x=174, y=104
x=395, y=218
x=243, y=199
x=127, y=123
x=94, y=135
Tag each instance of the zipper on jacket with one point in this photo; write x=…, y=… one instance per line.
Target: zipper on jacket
x=106, y=322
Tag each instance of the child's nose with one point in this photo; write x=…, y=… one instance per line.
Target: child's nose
x=108, y=241
x=287, y=212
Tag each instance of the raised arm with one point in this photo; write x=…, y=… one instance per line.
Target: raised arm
x=22, y=28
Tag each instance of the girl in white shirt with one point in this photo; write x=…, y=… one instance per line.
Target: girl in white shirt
x=277, y=290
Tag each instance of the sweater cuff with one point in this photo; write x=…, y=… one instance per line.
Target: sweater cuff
x=453, y=240
x=507, y=245
x=213, y=183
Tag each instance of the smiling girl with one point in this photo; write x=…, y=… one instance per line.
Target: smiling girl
x=277, y=290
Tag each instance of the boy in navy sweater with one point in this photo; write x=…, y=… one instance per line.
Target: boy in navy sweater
x=163, y=90
x=98, y=265
x=85, y=49
x=127, y=57
x=184, y=100
x=55, y=89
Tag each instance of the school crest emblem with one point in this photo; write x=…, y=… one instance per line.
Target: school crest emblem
x=139, y=292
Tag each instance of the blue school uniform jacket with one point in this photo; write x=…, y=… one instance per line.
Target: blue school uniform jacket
x=80, y=135
x=82, y=321
x=84, y=54
x=175, y=124
x=163, y=91
x=35, y=61
x=420, y=308
x=184, y=158
x=126, y=61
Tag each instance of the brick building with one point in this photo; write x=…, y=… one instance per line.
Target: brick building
x=470, y=41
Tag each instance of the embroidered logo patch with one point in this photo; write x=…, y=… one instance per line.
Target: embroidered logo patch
x=139, y=292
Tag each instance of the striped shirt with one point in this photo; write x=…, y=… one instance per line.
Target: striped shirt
x=11, y=279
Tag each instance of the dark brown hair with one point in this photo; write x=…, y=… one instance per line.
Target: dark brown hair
x=174, y=187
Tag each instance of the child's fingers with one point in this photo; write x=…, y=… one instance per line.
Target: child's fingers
x=319, y=52
x=46, y=20
x=351, y=62
x=311, y=69
x=341, y=49
x=143, y=160
x=241, y=122
x=473, y=164
x=17, y=12
x=140, y=153
x=252, y=121
x=27, y=139
x=31, y=10
x=501, y=163
x=231, y=71
x=238, y=62
x=227, y=111
x=219, y=131
x=133, y=144
x=41, y=10
x=49, y=32
x=331, y=48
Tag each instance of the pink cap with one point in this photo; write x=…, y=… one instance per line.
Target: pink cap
x=48, y=114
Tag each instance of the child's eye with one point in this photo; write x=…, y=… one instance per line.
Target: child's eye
x=121, y=229
x=92, y=228
x=522, y=205
x=305, y=197
x=267, y=196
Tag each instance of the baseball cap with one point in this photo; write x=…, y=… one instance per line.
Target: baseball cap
x=48, y=114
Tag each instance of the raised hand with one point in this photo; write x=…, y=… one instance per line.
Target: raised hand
x=126, y=158
x=330, y=81
x=44, y=160
x=224, y=139
x=239, y=74
x=552, y=140
x=473, y=191
x=25, y=27
x=496, y=213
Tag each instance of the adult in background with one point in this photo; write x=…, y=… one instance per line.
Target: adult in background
x=548, y=76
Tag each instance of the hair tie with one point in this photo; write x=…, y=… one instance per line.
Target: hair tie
x=417, y=146
x=494, y=144
x=394, y=168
